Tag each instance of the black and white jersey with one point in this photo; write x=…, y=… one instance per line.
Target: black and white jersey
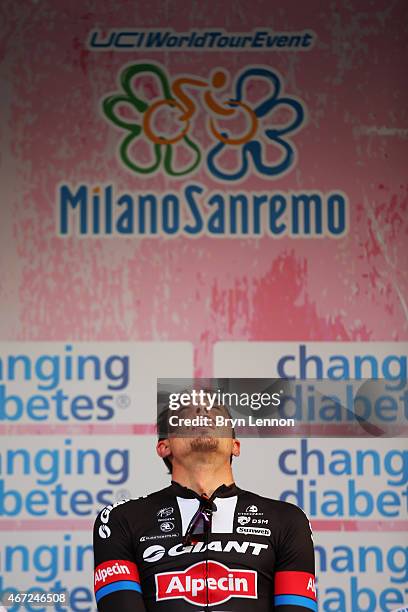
x=257, y=555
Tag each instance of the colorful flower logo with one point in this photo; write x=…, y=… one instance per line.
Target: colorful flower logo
x=254, y=149
x=162, y=148
x=174, y=103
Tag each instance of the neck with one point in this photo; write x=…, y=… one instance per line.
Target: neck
x=202, y=478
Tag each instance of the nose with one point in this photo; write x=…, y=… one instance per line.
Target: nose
x=201, y=409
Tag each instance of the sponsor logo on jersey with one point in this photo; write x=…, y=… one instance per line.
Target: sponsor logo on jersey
x=111, y=571
x=165, y=512
x=289, y=583
x=254, y=531
x=104, y=531
x=167, y=526
x=311, y=586
x=159, y=536
x=116, y=575
x=244, y=520
x=251, y=510
x=204, y=581
x=156, y=552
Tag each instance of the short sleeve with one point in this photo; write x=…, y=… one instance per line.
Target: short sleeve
x=116, y=577
x=294, y=585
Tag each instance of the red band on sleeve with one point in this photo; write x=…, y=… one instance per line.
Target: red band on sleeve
x=295, y=583
x=113, y=571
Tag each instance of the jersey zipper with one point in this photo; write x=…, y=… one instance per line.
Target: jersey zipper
x=206, y=565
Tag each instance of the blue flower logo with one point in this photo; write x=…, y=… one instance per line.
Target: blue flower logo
x=255, y=150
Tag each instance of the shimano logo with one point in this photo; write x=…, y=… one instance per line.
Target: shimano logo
x=156, y=552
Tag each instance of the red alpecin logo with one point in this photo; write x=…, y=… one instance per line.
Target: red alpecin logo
x=206, y=582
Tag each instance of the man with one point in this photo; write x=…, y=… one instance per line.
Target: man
x=203, y=543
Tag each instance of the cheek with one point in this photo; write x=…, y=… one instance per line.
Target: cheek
x=179, y=446
x=227, y=445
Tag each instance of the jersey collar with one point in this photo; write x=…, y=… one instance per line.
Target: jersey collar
x=222, y=491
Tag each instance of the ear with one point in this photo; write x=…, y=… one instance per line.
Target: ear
x=163, y=448
x=236, y=447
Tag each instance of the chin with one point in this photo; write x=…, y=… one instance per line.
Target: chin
x=204, y=443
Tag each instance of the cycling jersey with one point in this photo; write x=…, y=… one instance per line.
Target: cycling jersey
x=257, y=554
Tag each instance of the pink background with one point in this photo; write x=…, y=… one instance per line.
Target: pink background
x=205, y=290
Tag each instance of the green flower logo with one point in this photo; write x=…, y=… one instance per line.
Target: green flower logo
x=162, y=147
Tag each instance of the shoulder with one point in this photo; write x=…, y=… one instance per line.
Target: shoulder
x=115, y=513
x=128, y=510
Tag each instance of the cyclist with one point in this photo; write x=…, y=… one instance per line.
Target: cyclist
x=202, y=543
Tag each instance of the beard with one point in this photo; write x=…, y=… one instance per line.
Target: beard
x=204, y=444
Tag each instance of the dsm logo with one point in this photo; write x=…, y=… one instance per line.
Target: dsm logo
x=248, y=122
